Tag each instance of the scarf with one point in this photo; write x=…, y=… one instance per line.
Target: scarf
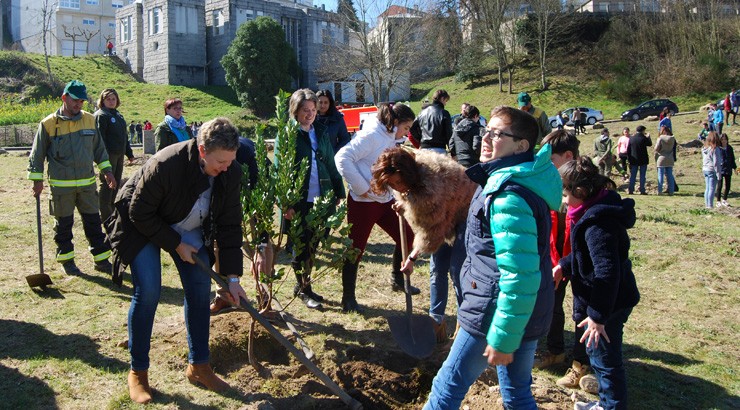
x=575, y=213
x=177, y=127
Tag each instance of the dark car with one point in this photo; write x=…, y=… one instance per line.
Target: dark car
x=648, y=108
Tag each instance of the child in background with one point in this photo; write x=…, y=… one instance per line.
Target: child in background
x=603, y=157
x=710, y=162
x=702, y=135
x=604, y=286
x=564, y=147
x=727, y=166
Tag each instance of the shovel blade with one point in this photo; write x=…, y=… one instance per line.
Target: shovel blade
x=41, y=280
x=416, y=336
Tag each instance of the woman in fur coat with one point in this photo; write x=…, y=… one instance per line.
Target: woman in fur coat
x=433, y=193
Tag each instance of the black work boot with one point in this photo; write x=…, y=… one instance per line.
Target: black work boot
x=304, y=292
x=397, y=276
x=349, y=282
x=70, y=268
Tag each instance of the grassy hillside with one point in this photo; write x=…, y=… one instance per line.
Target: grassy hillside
x=563, y=93
x=139, y=101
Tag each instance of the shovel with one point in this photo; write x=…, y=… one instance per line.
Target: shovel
x=414, y=334
x=40, y=279
x=328, y=382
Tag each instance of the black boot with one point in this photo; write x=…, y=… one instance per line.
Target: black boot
x=397, y=284
x=303, y=291
x=349, y=282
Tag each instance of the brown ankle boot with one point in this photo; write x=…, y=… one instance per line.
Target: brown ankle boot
x=202, y=374
x=138, y=386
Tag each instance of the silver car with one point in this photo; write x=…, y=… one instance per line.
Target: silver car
x=591, y=116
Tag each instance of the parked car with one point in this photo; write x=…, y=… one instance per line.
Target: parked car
x=590, y=115
x=648, y=108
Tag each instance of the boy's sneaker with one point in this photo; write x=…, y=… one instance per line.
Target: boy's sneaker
x=574, y=375
x=589, y=383
x=548, y=359
x=591, y=405
x=725, y=203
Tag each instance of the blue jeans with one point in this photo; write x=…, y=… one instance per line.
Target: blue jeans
x=146, y=274
x=446, y=259
x=607, y=363
x=465, y=363
x=633, y=176
x=710, y=181
x=666, y=173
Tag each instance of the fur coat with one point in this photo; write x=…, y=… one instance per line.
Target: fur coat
x=434, y=209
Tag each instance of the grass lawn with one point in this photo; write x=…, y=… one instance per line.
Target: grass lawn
x=61, y=348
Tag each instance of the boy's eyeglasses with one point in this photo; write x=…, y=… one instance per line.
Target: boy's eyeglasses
x=495, y=135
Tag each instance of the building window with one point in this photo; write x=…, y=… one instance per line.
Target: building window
x=92, y=2
x=69, y=4
x=126, y=29
x=218, y=22
x=186, y=20
x=116, y=4
x=155, y=20
x=88, y=22
x=112, y=25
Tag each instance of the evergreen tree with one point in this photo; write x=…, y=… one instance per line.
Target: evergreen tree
x=259, y=63
x=346, y=9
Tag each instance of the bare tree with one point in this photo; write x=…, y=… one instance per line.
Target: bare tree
x=549, y=23
x=47, y=8
x=487, y=20
x=74, y=33
x=381, y=55
x=88, y=35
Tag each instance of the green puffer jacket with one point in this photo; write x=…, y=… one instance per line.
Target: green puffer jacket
x=70, y=145
x=515, y=241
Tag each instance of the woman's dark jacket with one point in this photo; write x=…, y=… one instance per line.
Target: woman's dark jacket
x=465, y=142
x=162, y=193
x=164, y=136
x=114, y=131
x=336, y=129
x=435, y=126
x=599, y=265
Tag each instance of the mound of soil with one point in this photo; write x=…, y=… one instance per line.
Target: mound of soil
x=377, y=374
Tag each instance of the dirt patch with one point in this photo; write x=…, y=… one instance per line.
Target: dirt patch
x=377, y=376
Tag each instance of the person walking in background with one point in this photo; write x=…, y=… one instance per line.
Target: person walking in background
x=434, y=124
x=433, y=193
x=524, y=101
x=139, y=132
x=623, y=151
x=506, y=279
x=174, y=128
x=185, y=198
x=710, y=166
x=663, y=114
x=604, y=152
x=719, y=119
x=366, y=208
x=728, y=109
x=727, y=167
x=666, y=122
x=599, y=267
x=575, y=118
x=70, y=142
x=710, y=116
x=560, y=121
x=311, y=143
x=332, y=120
x=112, y=129
x=147, y=125
x=638, y=158
x=466, y=138
x=665, y=156
x=735, y=101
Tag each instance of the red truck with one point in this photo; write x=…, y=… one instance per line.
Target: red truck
x=354, y=117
